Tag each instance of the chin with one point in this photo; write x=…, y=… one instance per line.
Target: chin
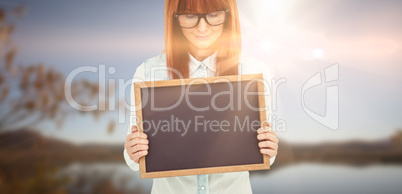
x=203, y=46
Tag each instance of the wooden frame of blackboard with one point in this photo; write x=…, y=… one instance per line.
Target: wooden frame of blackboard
x=180, y=82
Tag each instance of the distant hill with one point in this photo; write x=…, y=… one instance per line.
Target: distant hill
x=350, y=153
x=28, y=146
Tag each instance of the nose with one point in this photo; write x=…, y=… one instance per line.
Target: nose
x=202, y=26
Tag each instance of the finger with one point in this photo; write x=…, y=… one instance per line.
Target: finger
x=140, y=147
x=263, y=136
x=131, y=152
x=140, y=141
x=140, y=135
x=270, y=153
x=266, y=134
x=270, y=130
x=134, y=142
x=139, y=155
x=267, y=124
x=264, y=130
x=273, y=138
x=267, y=137
x=127, y=146
x=131, y=136
x=267, y=144
x=134, y=129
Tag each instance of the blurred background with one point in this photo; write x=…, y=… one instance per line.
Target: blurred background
x=92, y=49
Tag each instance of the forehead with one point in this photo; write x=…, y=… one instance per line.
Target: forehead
x=201, y=6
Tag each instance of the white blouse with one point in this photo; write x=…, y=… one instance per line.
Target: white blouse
x=221, y=183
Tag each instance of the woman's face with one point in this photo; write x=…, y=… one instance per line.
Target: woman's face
x=203, y=36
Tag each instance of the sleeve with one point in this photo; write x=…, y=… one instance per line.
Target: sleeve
x=139, y=76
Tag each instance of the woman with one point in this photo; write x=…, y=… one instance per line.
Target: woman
x=202, y=38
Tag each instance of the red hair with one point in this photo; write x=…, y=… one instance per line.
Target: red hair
x=176, y=45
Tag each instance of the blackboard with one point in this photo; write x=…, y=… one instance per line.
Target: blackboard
x=201, y=125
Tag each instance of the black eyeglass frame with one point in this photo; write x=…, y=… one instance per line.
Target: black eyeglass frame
x=201, y=15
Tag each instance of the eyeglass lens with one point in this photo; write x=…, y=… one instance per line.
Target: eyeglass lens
x=191, y=20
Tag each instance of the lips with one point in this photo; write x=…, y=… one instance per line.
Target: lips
x=202, y=37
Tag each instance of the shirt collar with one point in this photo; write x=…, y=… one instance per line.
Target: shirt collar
x=209, y=62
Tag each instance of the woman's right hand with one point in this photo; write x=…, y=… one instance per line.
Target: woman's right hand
x=136, y=144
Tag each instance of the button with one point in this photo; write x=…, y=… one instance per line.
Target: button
x=203, y=74
x=202, y=64
x=202, y=187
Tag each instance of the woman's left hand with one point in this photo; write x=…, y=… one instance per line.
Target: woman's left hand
x=268, y=142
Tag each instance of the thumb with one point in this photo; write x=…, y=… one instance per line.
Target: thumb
x=134, y=129
x=267, y=124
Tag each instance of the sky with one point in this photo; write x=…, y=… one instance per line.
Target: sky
x=296, y=39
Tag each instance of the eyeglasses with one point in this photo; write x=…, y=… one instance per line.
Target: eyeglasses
x=189, y=20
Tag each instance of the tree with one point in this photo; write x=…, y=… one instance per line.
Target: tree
x=31, y=94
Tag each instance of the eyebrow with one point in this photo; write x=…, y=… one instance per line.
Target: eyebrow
x=191, y=12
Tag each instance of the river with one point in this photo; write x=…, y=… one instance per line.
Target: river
x=305, y=178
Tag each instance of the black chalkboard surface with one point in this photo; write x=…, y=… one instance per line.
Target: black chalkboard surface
x=201, y=125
